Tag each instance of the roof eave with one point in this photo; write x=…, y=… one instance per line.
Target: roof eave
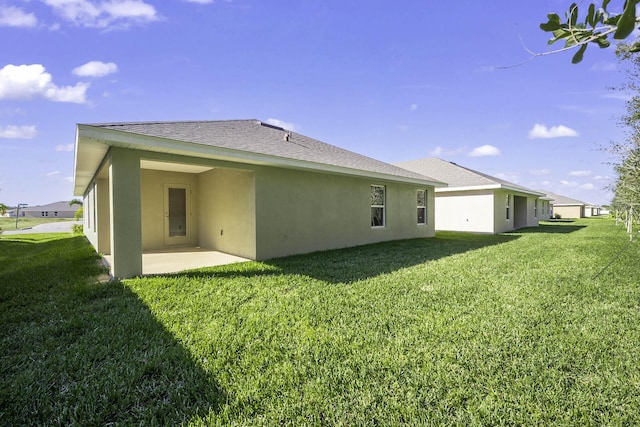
x=101, y=139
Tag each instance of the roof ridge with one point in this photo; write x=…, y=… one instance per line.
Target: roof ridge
x=168, y=122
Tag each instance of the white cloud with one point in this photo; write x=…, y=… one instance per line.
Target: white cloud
x=621, y=96
x=540, y=131
x=28, y=81
x=538, y=172
x=95, y=69
x=413, y=107
x=439, y=151
x=587, y=186
x=282, y=124
x=111, y=13
x=11, y=16
x=68, y=179
x=604, y=66
x=65, y=147
x=485, y=150
x=568, y=183
x=580, y=173
x=200, y=1
x=54, y=173
x=507, y=177
x=18, y=132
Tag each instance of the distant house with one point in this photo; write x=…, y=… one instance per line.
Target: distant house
x=52, y=210
x=566, y=207
x=477, y=202
x=241, y=187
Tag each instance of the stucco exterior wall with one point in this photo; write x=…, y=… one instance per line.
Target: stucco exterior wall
x=153, y=206
x=89, y=227
x=573, y=211
x=227, y=220
x=470, y=211
x=532, y=216
x=300, y=212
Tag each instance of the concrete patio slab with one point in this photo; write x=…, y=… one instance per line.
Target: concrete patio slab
x=179, y=259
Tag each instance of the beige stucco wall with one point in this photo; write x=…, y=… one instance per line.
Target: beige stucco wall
x=299, y=212
x=573, y=211
x=227, y=220
x=470, y=211
x=125, y=212
x=153, y=206
x=88, y=204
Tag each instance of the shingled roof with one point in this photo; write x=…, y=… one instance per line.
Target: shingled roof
x=457, y=176
x=229, y=139
x=559, y=200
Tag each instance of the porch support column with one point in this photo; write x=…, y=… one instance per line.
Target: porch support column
x=125, y=213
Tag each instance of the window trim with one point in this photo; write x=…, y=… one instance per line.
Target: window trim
x=383, y=206
x=508, y=206
x=419, y=207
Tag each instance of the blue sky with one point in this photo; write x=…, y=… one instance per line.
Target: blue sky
x=392, y=80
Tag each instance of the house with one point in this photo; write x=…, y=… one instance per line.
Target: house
x=566, y=207
x=242, y=187
x=477, y=202
x=592, y=210
x=52, y=210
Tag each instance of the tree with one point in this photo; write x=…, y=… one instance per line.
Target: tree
x=626, y=189
x=3, y=209
x=598, y=25
x=80, y=211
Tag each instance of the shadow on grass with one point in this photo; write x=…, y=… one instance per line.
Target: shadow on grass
x=78, y=352
x=360, y=262
x=561, y=228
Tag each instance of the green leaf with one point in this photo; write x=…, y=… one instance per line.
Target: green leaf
x=627, y=22
x=591, y=15
x=573, y=14
x=613, y=20
x=635, y=47
x=605, y=3
x=579, y=54
x=602, y=42
x=553, y=23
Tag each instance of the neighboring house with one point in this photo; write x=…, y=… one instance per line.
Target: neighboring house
x=52, y=210
x=565, y=207
x=477, y=202
x=241, y=187
x=591, y=210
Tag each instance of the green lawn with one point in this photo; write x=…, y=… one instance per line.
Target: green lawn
x=514, y=329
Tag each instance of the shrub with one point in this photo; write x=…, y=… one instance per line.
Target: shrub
x=77, y=229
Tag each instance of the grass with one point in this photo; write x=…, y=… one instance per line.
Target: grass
x=513, y=329
x=23, y=223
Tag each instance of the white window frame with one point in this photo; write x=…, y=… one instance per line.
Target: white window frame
x=383, y=206
x=508, y=206
x=419, y=206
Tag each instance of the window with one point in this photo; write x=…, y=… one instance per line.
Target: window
x=55, y=213
x=422, y=206
x=377, y=206
x=508, y=204
x=535, y=209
